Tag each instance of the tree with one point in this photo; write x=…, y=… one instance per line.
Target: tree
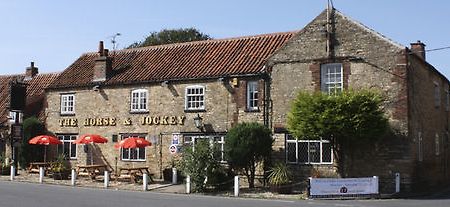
x=246, y=145
x=347, y=119
x=168, y=36
x=31, y=128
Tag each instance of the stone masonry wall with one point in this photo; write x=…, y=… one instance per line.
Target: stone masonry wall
x=114, y=102
x=370, y=61
x=429, y=125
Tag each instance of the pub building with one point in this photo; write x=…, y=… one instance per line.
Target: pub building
x=156, y=93
x=175, y=94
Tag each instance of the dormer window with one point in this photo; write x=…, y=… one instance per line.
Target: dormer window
x=139, y=100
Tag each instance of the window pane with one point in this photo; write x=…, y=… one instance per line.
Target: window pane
x=303, y=152
x=141, y=153
x=326, y=152
x=291, y=152
x=314, y=152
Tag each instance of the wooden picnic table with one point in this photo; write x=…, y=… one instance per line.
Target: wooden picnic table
x=90, y=170
x=134, y=172
x=33, y=167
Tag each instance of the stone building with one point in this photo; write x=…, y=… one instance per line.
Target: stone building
x=35, y=101
x=341, y=54
x=156, y=92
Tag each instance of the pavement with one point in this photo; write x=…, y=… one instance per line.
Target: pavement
x=158, y=185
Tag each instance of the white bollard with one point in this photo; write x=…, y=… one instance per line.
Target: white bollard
x=397, y=182
x=106, y=179
x=144, y=182
x=41, y=174
x=236, y=186
x=174, y=176
x=74, y=177
x=188, y=184
x=13, y=170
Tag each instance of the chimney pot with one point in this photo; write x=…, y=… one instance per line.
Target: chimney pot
x=418, y=48
x=100, y=48
x=103, y=65
x=31, y=71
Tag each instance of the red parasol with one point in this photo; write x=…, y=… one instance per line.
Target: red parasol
x=44, y=140
x=133, y=142
x=90, y=138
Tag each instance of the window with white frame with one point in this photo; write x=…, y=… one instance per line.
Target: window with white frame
x=252, y=95
x=195, y=98
x=331, y=78
x=308, y=151
x=68, y=148
x=139, y=100
x=132, y=154
x=217, y=142
x=68, y=103
x=437, y=95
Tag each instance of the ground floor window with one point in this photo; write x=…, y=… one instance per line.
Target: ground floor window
x=308, y=151
x=132, y=154
x=68, y=148
x=216, y=141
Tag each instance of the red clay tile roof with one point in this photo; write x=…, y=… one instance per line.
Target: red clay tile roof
x=181, y=61
x=35, y=94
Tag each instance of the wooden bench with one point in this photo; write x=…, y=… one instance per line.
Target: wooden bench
x=134, y=173
x=90, y=170
x=33, y=167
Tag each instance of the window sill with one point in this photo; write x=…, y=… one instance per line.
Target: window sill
x=139, y=112
x=133, y=160
x=67, y=114
x=194, y=110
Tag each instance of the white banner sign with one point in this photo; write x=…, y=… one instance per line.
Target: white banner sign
x=343, y=186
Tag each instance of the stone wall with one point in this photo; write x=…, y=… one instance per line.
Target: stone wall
x=429, y=124
x=370, y=61
x=164, y=102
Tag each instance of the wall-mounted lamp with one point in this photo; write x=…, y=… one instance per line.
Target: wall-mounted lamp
x=198, y=121
x=96, y=88
x=164, y=83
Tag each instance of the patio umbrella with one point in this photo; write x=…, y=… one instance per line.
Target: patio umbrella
x=90, y=138
x=44, y=140
x=133, y=142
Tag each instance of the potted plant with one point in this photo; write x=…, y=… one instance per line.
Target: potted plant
x=280, y=179
x=60, y=168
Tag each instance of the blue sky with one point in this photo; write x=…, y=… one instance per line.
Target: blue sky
x=53, y=34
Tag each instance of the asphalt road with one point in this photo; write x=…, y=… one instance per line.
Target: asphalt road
x=18, y=194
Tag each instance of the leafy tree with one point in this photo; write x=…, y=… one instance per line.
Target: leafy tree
x=349, y=119
x=200, y=165
x=168, y=36
x=248, y=144
x=31, y=128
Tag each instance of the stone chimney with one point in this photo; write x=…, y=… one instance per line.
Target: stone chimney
x=31, y=71
x=418, y=48
x=103, y=65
